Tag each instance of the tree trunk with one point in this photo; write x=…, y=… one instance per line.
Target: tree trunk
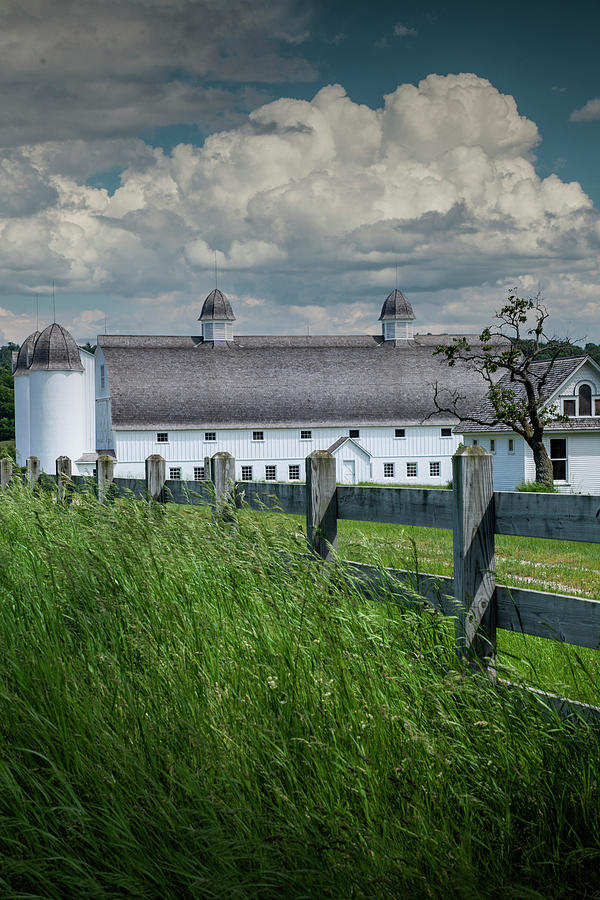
x=543, y=463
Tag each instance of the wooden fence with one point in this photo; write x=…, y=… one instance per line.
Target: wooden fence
x=472, y=509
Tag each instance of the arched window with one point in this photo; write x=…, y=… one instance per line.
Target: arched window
x=585, y=400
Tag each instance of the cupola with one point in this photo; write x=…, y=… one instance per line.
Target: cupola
x=217, y=317
x=55, y=350
x=396, y=318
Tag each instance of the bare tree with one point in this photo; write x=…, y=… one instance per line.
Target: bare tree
x=516, y=358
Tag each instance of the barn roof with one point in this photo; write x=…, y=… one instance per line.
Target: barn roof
x=561, y=370
x=273, y=381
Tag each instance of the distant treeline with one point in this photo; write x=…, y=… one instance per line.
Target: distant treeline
x=7, y=404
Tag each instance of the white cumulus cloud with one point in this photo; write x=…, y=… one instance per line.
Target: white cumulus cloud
x=590, y=112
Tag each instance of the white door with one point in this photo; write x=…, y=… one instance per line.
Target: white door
x=348, y=472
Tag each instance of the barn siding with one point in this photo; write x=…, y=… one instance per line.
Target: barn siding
x=283, y=446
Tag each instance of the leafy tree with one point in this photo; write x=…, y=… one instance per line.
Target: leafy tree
x=7, y=401
x=517, y=347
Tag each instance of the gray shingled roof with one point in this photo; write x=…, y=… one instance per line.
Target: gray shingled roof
x=25, y=353
x=396, y=306
x=180, y=382
x=216, y=306
x=55, y=349
x=561, y=370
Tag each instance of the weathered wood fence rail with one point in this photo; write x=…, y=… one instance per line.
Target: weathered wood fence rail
x=473, y=511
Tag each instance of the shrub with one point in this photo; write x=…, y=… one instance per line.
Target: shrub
x=535, y=487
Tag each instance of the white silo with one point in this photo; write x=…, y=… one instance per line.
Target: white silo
x=21, y=388
x=56, y=399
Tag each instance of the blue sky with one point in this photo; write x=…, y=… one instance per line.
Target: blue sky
x=138, y=139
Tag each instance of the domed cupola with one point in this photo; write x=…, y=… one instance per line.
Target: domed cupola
x=25, y=354
x=55, y=350
x=217, y=317
x=396, y=318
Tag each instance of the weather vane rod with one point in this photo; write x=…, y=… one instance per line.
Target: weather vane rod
x=53, y=302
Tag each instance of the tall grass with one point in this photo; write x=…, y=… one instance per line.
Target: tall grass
x=190, y=709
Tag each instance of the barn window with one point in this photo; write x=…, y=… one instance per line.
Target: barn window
x=411, y=470
x=511, y=445
x=210, y=435
x=400, y=432
x=246, y=473
x=434, y=470
x=258, y=435
x=388, y=470
x=354, y=433
x=175, y=473
x=294, y=473
x=558, y=455
x=585, y=400
x=198, y=473
x=162, y=437
x=102, y=378
x=270, y=473
x=492, y=446
x=446, y=432
x=306, y=435
x=569, y=407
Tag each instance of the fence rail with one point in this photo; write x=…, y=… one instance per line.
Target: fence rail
x=472, y=510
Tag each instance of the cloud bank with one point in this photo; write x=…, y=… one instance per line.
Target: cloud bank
x=309, y=207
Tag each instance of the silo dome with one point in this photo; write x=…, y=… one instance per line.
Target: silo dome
x=216, y=317
x=55, y=350
x=25, y=353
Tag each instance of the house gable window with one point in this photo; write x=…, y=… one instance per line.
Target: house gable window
x=569, y=407
x=162, y=437
x=585, y=400
x=558, y=455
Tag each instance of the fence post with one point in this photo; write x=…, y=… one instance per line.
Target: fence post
x=64, y=472
x=6, y=468
x=222, y=475
x=321, y=503
x=207, y=468
x=156, y=475
x=105, y=472
x=34, y=470
x=474, y=564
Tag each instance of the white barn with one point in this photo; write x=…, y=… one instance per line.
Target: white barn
x=267, y=400
x=573, y=388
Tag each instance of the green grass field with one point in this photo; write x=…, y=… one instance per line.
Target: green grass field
x=191, y=709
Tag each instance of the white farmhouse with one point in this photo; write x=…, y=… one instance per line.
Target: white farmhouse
x=573, y=388
x=269, y=401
